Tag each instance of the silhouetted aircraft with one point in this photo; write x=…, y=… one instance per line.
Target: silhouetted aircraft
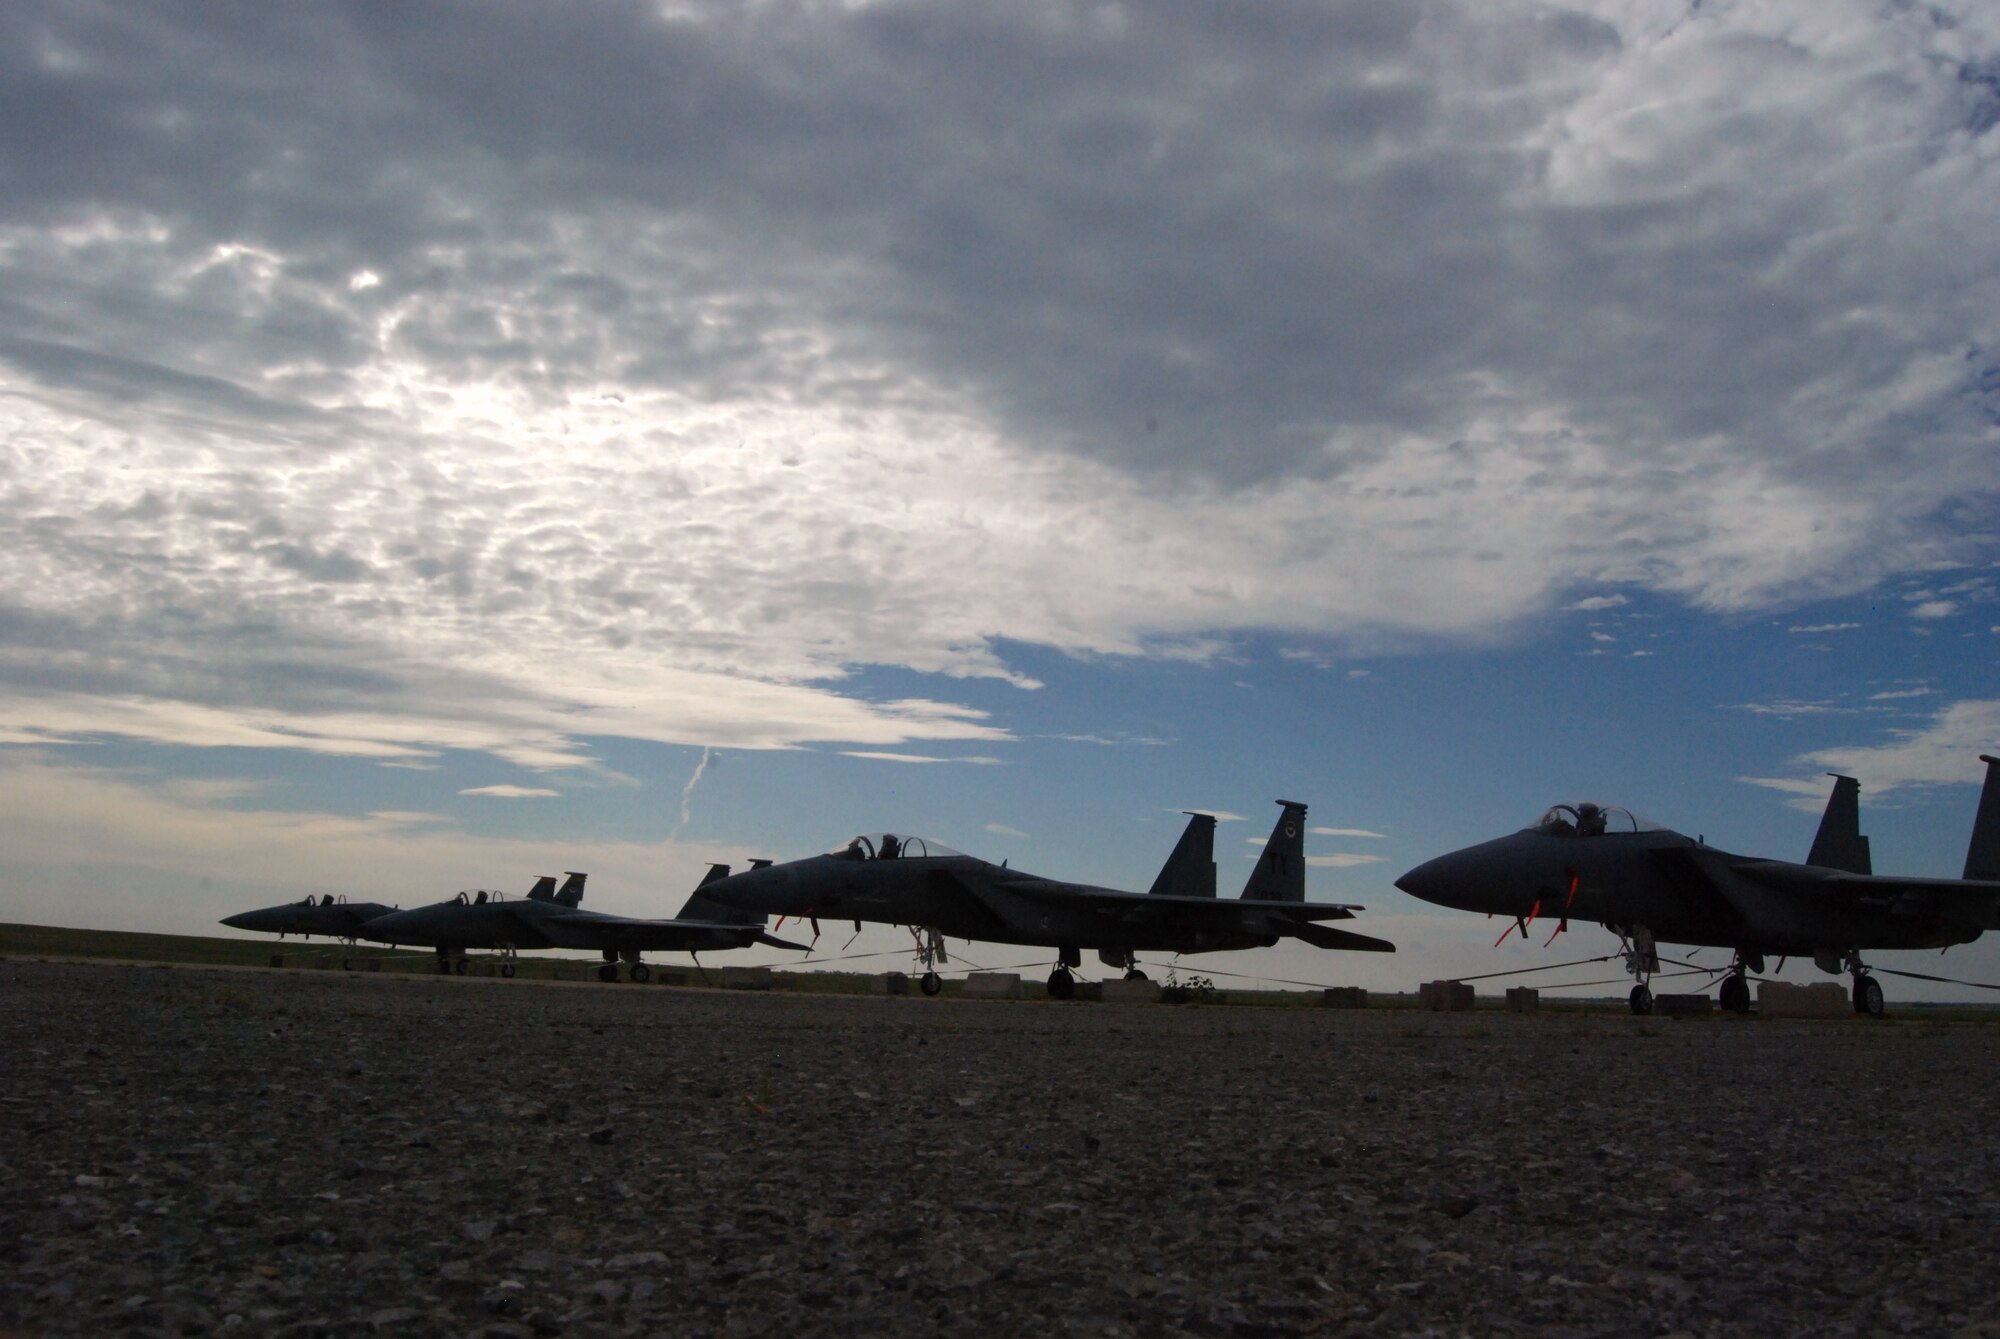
x=1647, y=884
x=549, y=917
x=938, y=892
x=332, y=916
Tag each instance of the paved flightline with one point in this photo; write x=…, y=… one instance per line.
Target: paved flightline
x=325, y=1153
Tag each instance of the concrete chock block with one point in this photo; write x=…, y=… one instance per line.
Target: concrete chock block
x=277, y=960
x=1523, y=1000
x=1681, y=1006
x=661, y=978
x=1129, y=992
x=1822, y=999
x=1091, y=992
x=1451, y=997
x=574, y=973
x=992, y=986
x=1345, y=997
x=746, y=978
x=892, y=983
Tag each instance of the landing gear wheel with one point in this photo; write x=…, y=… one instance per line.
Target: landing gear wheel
x=1868, y=996
x=641, y=973
x=444, y=966
x=930, y=983
x=1062, y=986
x=347, y=964
x=458, y=966
x=507, y=969
x=608, y=973
x=1642, y=1000
x=1134, y=974
x=1735, y=995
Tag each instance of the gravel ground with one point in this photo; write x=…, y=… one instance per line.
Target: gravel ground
x=194, y=1150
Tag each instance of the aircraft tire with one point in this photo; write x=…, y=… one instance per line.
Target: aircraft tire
x=641, y=973
x=458, y=966
x=506, y=969
x=1735, y=995
x=347, y=964
x=1062, y=986
x=1134, y=974
x=930, y=983
x=608, y=973
x=1642, y=1000
x=1868, y=997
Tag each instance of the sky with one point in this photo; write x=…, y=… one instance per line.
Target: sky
x=446, y=444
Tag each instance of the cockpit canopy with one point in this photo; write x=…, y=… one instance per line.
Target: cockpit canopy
x=478, y=897
x=1589, y=820
x=891, y=846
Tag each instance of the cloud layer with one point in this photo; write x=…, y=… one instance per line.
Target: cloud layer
x=488, y=378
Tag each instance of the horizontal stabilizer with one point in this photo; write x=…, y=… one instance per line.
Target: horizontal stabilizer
x=772, y=941
x=544, y=889
x=1325, y=936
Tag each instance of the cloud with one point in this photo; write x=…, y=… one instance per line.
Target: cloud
x=90, y=846
x=653, y=395
x=1823, y=627
x=1343, y=861
x=1343, y=832
x=1945, y=751
x=506, y=792
x=1900, y=693
x=877, y=756
x=1787, y=707
x=1002, y=830
x=1935, y=609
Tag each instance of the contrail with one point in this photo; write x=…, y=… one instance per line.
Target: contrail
x=687, y=792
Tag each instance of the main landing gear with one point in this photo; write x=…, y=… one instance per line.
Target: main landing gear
x=1642, y=959
x=1062, y=981
x=1866, y=990
x=638, y=972
x=453, y=962
x=1735, y=987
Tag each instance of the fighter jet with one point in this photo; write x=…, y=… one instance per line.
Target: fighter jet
x=1647, y=884
x=938, y=892
x=332, y=915
x=549, y=917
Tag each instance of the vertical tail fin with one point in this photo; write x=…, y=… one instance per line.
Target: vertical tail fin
x=1839, y=843
x=1280, y=875
x=544, y=889
x=1982, y=857
x=1190, y=870
x=571, y=892
x=699, y=908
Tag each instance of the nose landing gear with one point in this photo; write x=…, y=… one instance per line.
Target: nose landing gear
x=1642, y=959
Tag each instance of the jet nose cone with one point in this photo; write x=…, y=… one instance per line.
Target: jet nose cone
x=241, y=920
x=1442, y=880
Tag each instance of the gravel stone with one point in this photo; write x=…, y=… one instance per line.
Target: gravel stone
x=198, y=1151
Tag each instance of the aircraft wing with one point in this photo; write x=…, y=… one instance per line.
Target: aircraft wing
x=1015, y=899
x=597, y=930
x=1707, y=877
x=1972, y=903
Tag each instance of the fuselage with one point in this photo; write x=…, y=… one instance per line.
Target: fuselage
x=963, y=897
x=1684, y=892
x=336, y=920
x=496, y=923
